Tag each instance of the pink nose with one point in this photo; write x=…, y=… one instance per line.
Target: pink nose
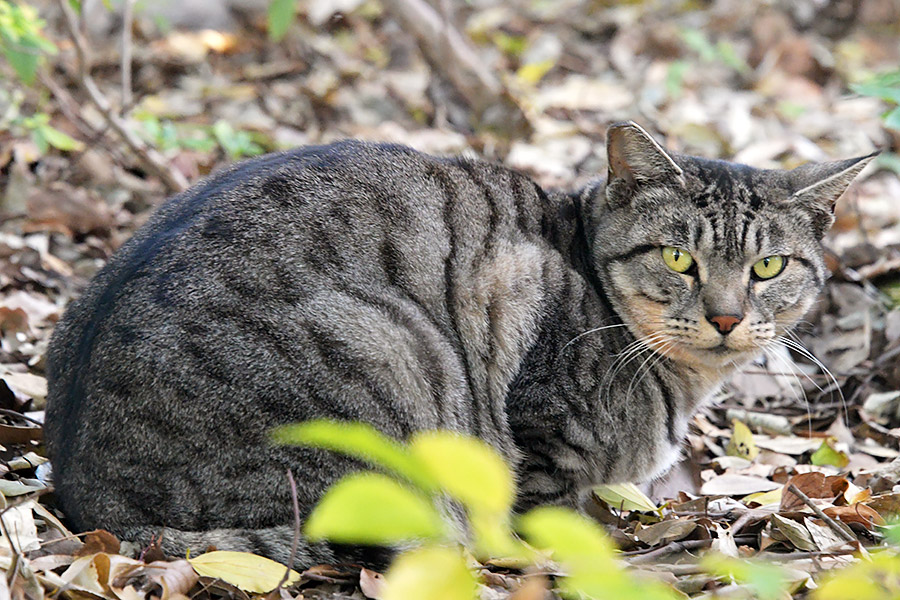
x=724, y=323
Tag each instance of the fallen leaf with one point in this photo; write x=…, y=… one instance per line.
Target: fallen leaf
x=827, y=454
x=249, y=572
x=625, y=496
x=534, y=588
x=371, y=583
x=857, y=513
x=823, y=536
x=793, y=532
x=741, y=443
x=886, y=504
x=18, y=521
x=764, y=498
x=730, y=484
x=786, y=444
x=814, y=485
x=147, y=581
x=99, y=540
x=666, y=531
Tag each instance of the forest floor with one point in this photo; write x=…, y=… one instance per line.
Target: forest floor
x=770, y=84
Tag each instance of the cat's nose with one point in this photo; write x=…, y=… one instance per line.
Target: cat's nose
x=724, y=323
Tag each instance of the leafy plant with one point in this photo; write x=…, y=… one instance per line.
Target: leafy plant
x=280, y=16
x=36, y=126
x=885, y=87
x=21, y=40
x=167, y=136
x=405, y=505
x=722, y=53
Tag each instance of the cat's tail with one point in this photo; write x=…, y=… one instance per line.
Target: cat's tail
x=272, y=542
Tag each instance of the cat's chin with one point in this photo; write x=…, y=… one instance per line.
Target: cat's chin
x=721, y=356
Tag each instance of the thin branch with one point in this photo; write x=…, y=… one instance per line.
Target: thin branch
x=670, y=548
x=13, y=571
x=149, y=158
x=452, y=53
x=840, y=531
x=296, y=541
x=127, y=22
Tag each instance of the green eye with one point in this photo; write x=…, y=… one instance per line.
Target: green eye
x=677, y=259
x=768, y=267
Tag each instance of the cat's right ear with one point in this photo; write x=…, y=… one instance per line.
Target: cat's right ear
x=634, y=158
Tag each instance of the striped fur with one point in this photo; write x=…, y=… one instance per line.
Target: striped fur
x=373, y=283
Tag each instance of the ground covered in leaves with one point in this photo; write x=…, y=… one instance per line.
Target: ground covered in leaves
x=796, y=461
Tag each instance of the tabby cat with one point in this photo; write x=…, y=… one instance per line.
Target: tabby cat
x=575, y=333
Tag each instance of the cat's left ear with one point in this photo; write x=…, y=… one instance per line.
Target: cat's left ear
x=635, y=159
x=821, y=184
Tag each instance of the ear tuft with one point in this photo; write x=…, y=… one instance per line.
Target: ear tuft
x=824, y=183
x=634, y=158
x=821, y=184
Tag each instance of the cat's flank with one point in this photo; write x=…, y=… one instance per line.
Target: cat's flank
x=575, y=333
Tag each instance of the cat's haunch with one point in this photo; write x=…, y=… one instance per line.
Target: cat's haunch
x=576, y=333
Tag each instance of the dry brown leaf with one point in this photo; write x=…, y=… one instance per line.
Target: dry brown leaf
x=736, y=485
x=534, y=588
x=814, y=485
x=99, y=540
x=666, y=531
x=855, y=513
x=371, y=583
x=886, y=504
x=14, y=434
x=174, y=579
x=793, y=532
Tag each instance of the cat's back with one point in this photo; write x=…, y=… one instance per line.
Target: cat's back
x=289, y=287
x=271, y=231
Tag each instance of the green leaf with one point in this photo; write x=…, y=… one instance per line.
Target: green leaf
x=60, y=140
x=358, y=440
x=767, y=581
x=626, y=496
x=532, y=73
x=697, y=41
x=875, y=579
x=892, y=119
x=281, y=15
x=249, y=572
x=430, y=573
x=890, y=160
x=25, y=64
x=888, y=93
x=493, y=537
x=370, y=508
x=741, y=443
x=587, y=555
x=572, y=538
x=467, y=468
x=828, y=455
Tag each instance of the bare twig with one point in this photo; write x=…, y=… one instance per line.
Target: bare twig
x=127, y=21
x=17, y=415
x=149, y=158
x=840, y=531
x=13, y=570
x=670, y=548
x=451, y=52
x=296, y=540
x=804, y=555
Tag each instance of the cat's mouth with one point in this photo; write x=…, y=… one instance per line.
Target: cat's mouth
x=721, y=349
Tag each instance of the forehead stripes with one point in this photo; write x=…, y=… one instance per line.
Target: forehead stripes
x=729, y=207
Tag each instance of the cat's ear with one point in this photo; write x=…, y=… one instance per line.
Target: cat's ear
x=819, y=185
x=634, y=158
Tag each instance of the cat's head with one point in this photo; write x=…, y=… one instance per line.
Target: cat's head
x=709, y=260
